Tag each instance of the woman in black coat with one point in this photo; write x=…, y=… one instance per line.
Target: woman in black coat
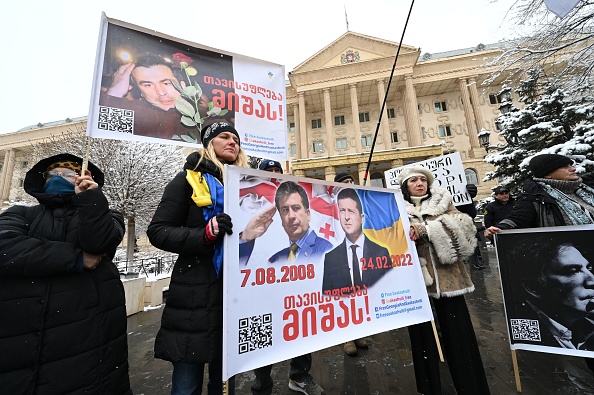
x=62, y=303
x=190, y=222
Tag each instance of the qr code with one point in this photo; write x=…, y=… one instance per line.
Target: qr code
x=524, y=329
x=116, y=119
x=255, y=333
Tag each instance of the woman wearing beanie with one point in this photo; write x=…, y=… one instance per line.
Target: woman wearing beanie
x=190, y=221
x=555, y=196
x=444, y=238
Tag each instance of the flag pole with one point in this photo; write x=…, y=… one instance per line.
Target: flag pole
x=85, y=163
x=386, y=95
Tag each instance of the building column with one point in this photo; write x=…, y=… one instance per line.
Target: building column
x=385, y=125
x=7, y=171
x=297, y=131
x=355, y=111
x=302, y=127
x=411, y=118
x=328, y=117
x=394, y=163
x=476, y=107
x=329, y=172
x=361, y=170
x=468, y=114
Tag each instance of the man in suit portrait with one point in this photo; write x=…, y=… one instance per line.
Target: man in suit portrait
x=357, y=261
x=304, y=246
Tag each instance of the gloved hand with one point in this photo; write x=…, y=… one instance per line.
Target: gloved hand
x=472, y=190
x=217, y=227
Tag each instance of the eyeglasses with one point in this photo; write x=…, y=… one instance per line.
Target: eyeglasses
x=65, y=174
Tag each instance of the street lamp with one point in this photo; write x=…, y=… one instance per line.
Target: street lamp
x=484, y=136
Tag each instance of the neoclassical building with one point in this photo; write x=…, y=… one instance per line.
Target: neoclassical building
x=436, y=104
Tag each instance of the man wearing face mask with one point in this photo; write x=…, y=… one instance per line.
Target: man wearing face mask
x=59, y=286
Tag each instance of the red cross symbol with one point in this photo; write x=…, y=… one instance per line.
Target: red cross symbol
x=326, y=231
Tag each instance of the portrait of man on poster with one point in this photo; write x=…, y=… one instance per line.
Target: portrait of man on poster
x=550, y=283
x=357, y=261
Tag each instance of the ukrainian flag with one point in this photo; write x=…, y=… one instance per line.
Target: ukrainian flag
x=382, y=223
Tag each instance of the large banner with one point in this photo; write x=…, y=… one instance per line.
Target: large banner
x=156, y=88
x=312, y=264
x=548, y=288
x=448, y=172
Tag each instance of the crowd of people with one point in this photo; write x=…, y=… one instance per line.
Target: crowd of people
x=58, y=283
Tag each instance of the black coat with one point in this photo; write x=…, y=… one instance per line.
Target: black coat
x=496, y=211
x=63, y=328
x=192, y=322
x=536, y=208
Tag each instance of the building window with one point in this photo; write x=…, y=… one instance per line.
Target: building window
x=471, y=176
x=364, y=117
x=377, y=180
x=341, y=143
x=316, y=123
x=419, y=109
x=292, y=127
x=293, y=149
x=339, y=120
x=440, y=106
x=445, y=131
x=366, y=141
x=394, y=137
x=318, y=146
x=391, y=113
x=495, y=99
x=423, y=134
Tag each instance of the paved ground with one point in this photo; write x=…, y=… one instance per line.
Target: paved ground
x=386, y=368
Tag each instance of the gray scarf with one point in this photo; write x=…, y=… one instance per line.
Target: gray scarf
x=577, y=212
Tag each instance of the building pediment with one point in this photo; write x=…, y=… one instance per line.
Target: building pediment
x=351, y=48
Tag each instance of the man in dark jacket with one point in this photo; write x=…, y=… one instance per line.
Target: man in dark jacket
x=60, y=295
x=555, y=196
x=500, y=208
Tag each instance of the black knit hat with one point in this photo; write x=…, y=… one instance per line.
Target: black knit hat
x=213, y=130
x=542, y=165
x=341, y=177
x=269, y=164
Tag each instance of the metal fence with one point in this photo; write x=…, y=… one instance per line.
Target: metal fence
x=147, y=265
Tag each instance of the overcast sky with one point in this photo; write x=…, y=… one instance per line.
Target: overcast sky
x=49, y=46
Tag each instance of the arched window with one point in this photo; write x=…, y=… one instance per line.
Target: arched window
x=471, y=176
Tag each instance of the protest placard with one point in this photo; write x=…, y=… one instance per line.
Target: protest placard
x=281, y=302
x=448, y=172
x=548, y=288
x=156, y=88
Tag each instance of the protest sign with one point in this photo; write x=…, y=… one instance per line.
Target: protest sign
x=448, y=172
x=281, y=302
x=155, y=88
x=548, y=288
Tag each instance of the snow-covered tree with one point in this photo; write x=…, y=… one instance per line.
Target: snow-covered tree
x=135, y=173
x=565, y=46
x=551, y=122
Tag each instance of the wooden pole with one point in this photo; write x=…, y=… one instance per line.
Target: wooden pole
x=437, y=342
x=516, y=371
x=85, y=163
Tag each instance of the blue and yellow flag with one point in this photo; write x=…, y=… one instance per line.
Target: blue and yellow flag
x=382, y=223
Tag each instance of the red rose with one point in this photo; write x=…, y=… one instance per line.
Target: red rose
x=179, y=57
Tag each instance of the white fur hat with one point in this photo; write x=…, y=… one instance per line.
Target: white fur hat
x=409, y=172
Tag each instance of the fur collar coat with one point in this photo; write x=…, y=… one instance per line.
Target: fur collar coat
x=446, y=238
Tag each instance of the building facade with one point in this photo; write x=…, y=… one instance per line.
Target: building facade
x=436, y=104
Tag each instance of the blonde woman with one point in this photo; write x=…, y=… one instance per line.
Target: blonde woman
x=190, y=222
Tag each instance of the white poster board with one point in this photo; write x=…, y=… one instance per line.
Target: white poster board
x=448, y=172
x=151, y=87
x=275, y=309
